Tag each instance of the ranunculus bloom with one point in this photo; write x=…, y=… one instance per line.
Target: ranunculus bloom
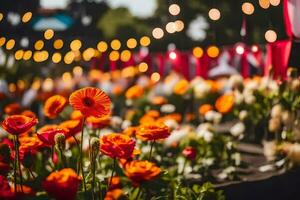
x=117, y=145
x=54, y=105
x=181, y=87
x=139, y=171
x=90, y=102
x=47, y=135
x=158, y=100
x=28, y=113
x=130, y=131
x=153, y=131
x=115, y=182
x=12, y=109
x=18, y=124
x=134, y=92
x=224, y=103
x=114, y=194
x=190, y=153
x=205, y=108
x=29, y=145
x=63, y=184
x=98, y=122
x=174, y=116
x=73, y=126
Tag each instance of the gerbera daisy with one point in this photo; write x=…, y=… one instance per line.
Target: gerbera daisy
x=90, y=102
x=54, y=105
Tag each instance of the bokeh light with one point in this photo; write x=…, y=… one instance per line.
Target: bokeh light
x=171, y=27
x=270, y=36
x=102, y=46
x=10, y=44
x=19, y=54
x=27, y=55
x=114, y=56
x=77, y=71
x=145, y=41
x=115, y=44
x=213, y=51
x=174, y=9
x=155, y=77
x=198, y=52
x=56, y=57
x=265, y=4
x=214, y=14
x=158, y=33
x=143, y=67
x=2, y=41
x=274, y=2
x=58, y=44
x=179, y=25
x=27, y=17
x=49, y=33
x=38, y=45
x=131, y=43
x=75, y=45
x=248, y=8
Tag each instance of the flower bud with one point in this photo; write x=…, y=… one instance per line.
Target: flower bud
x=189, y=152
x=60, y=141
x=95, y=144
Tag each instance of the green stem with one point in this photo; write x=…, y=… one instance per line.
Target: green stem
x=183, y=167
x=138, y=194
x=81, y=155
x=112, y=173
x=78, y=146
x=93, y=158
x=100, y=191
x=15, y=164
x=151, y=149
x=19, y=163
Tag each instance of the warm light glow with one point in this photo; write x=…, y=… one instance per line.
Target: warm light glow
x=265, y=4
x=143, y=67
x=174, y=9
x=114, y=56
x=19, y=54
x=128, y=72
x=48, y=85
x=125, y=55
x=12, y=87
x=36, y=84
x=248, y=8
x=131, y=43
x=171, y=27
x=213, y=51
x=274, y=2
x=172, y=55
x=158, y=33
x=198, y=52
x=66, y=77
x=27, y=55
x=179, y=25
x=39, y=45
x=88, y=54
x=77, y=71
x=75, y=45
x=145, y=41
x=214, y=14
x=27, y=17
x=270, y=36
x=10, y=44
x=40, y=56
x=69, y=57
x=115, y=44
x=2, y=41
x=49, y=33
x=240, y=49
x=58, y=44
x=102, y=46
x=56, y=57
x=155, y=77
x=254, y=48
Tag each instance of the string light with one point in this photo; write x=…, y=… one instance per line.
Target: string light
x=198, y=52
x=115, y=44
x=145, y=41
x=48, y=34
x=114, y=56
x=158, y=33
x=213, y=51
x=27, y=55
x=2, y=41
x=27, y=17
x=179, y=25
x=58, y=44
x=125, y=55
x=131, y=43
x=265, y=4
x=75, y=45
x=214, y=14
x=174, y=9
x=143, y=67
x=10, y=44
x=274, y=2
x=40, y=56
x=248, y=8
x=19, y=54
x=69, y=57
x=56, y=57
x=270, y=36
x=88, y=54
x=171, y=27
x=155, y=77
x=39, y=45
x=172, y=55
x=102, y=46
x=239, y=49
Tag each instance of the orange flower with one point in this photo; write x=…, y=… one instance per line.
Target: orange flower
x=134, y=92
x=114, y=194
x=205, y=108
x=174, y=116
x=76, y=114
x=54, y=105
x=117, y=90
x=146, y=119
x=28, y=113
x=181, y=87
x=63, y=184
x=47, y=135
x=90, y=102
x=158, y=100
x=153, y=131
x=73, y=126
x=139, y=171
x=115, y=182
x=224, y=103
x=98, y=122
x=214, y=85
x=117, y=145
x=12, y=109
x=130, y=131
x=18, y=124
x=29, y=143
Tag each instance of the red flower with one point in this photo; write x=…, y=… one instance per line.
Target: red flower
x=98, y=122
x=190, y=153
x=117, y=145
x=47, y=136
x=54, y=105
x=18, y=124
x=153, y=131
x=90, y=102
x=12, y=109
x=73, y=126
x=5, y=190
x=62, y=185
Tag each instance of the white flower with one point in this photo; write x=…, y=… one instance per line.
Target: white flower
x=276, y=111
x=175, y=136
x=213, y=116
x=201, y=89
x=125, y=124
x=171, y=123
x=287, y=117
x=167, y=108
x=207, y=161
x=206, y=135
x=238, y=97
x=238, y=129
x=237, y=158
x=243, y=114
x=249, y=99
x=235, y=81
x=116, y=121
